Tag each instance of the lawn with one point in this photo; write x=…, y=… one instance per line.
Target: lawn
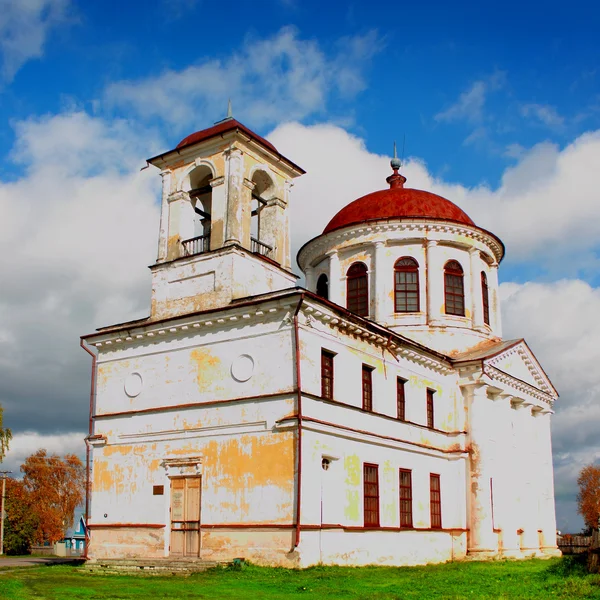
x=558, y=578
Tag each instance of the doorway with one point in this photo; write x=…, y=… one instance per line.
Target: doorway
x=185, y=516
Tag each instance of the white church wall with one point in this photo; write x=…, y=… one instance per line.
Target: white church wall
x=200, y=368
x=332, y=502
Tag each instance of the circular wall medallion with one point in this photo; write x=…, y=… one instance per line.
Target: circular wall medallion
x=133, y=384
x=242, y=367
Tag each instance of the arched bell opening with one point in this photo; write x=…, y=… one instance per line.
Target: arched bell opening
x=262, y=225
x=200, y=193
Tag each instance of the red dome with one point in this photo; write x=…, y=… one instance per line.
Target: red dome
x=398, y=203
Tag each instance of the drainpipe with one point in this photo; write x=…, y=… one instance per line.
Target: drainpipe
x=299, y=402
x=87, y=444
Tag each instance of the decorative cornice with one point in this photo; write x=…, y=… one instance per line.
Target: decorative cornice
x=517, y=384
x=384, y=342
x=530, y=362
x=188, y=325
x=323, y=243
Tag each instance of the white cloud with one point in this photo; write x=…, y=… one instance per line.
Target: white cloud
x=24, y=30
x=544, y=113
x=26, y=443
x=78, y=229
x=546, y=209
x=269, y=80
x=471, y=103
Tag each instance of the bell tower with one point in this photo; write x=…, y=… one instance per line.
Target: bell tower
x=224, y=226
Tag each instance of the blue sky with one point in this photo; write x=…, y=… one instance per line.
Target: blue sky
x=499, y=106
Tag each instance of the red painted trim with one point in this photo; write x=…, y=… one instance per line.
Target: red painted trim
x=288, y=526
x=126, y=525
x=367, y=412
x=192, y=405
x=87, y=445
x=384, y=437
x=299, y=417
x=248, y=526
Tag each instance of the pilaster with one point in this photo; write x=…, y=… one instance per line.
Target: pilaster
x=483, y=540
x=435, y=283
x=335, y=278
x=494, y=300
x=378, y=274
x=218, y=213
x=234, y=193
x=164, y=216
x=476, y=291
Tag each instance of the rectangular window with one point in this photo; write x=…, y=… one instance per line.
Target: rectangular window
x=430, y=415
x=371, y=494
x=367, y=388
x=401, y=398
x=326, y=375
x=406, y=498
x=435, y=501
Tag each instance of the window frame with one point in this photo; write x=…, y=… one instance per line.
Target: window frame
x=405, y=498
x=430, y=409
x=404, y=269
x=401, y=399
x=357, y=300
x=370, y=492
x=454, y=289
x=367, y=392
x=485, y=298
x=435, y=501
x=327, y=373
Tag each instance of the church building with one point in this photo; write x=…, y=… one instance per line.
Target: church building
x=375, y=416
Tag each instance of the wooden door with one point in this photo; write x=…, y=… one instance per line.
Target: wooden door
x=185, y=516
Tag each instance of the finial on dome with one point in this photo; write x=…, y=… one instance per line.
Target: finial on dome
x=396, y=180
x=395, y=163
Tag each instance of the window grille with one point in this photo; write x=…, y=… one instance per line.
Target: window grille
x=371, y=495
x=326, y=375
x=357, y=289
x=454, y=293
x=406, y=519
x=406, y=285
x=435, y=501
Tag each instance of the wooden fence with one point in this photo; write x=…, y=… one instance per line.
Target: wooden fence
x=574, y=544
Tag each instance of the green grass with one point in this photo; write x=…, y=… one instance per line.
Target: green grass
x=559, y=578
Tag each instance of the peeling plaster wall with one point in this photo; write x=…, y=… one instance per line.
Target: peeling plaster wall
x=197, y=368
x=209, y=281
x=247, y=463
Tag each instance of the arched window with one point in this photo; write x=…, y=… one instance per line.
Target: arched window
x=454, y=291
x=323, y=286
x=406, y=285
x=357, y=289
x=485, y=298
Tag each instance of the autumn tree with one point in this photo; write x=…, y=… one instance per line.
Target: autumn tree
x=588, y=499
x=5, y=437
x=55, y=486
x=21, y=522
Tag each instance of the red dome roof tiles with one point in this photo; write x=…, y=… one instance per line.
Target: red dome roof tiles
x=398, y=203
